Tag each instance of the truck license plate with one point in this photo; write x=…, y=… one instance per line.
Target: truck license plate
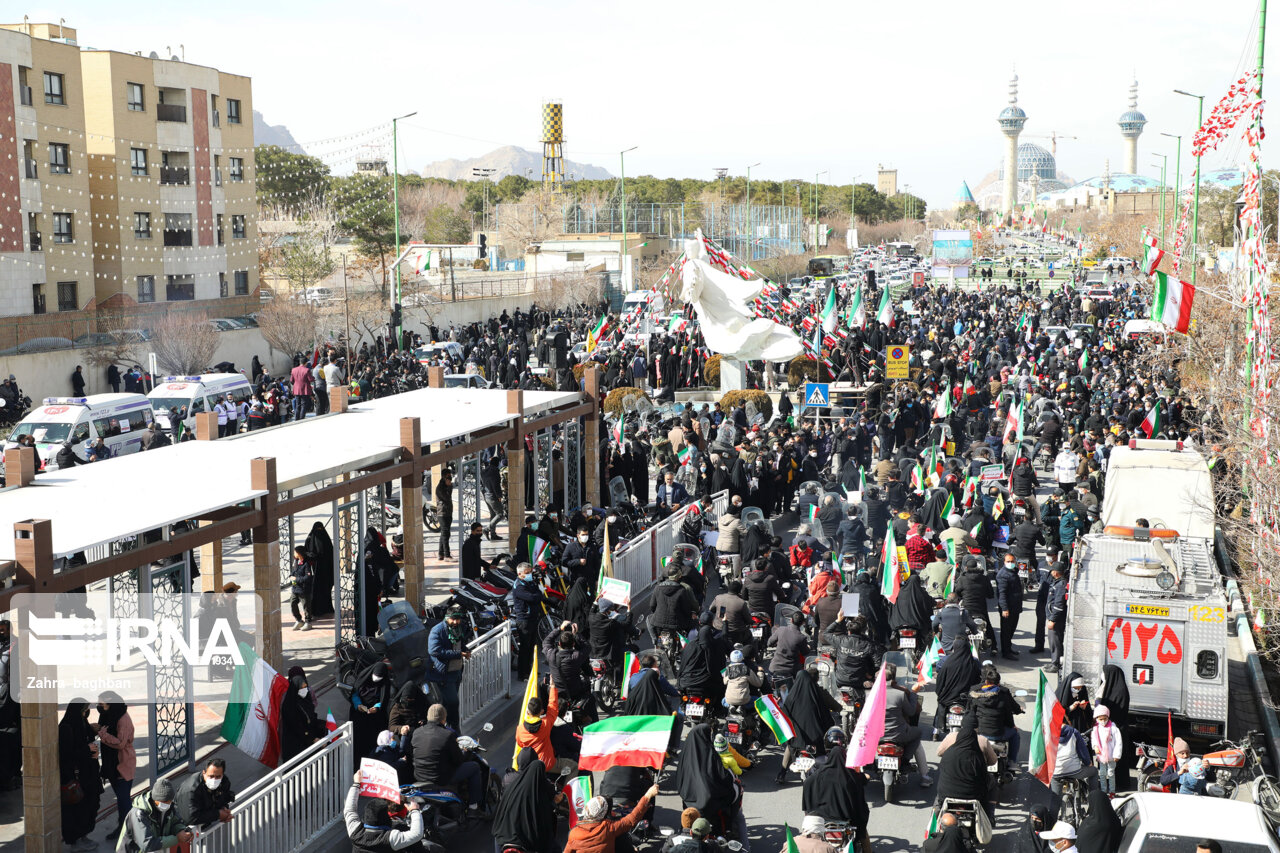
x=694, y=711
x=907, y=642
x=886, y=762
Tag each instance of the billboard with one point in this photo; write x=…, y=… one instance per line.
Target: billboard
x=952, y=254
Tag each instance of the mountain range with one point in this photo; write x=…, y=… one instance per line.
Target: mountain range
x=508, y=160
x=266, y=134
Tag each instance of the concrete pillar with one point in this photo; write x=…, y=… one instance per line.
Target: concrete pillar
x=266, y=563
x=435, y=377
x=20, y=466
x=515, y=471
x=1010, y=174
x=591, y=434
x=339, y=398
x=41, y=785
x=411, y=513
x=1131, y=155
x=211, y=554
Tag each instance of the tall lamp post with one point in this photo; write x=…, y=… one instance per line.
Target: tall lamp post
x=622, y=158
x=1177, y=174
x=751, y=245
x=1164, y=166
x=1195, y=215
x=815, y=206
x=395, y=201
x=853, y=208
x=483, y=175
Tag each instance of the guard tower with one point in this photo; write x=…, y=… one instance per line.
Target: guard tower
x=1131, y=124
x=1012, y=120
x=552, y=145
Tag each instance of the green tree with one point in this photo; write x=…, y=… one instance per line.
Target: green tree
x=363, y=206
x=289, y=181
x=444, y=224
x=510, y=189
x=303, y=256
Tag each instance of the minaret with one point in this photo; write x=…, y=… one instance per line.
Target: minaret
x=1012, y=118
x=1131, y=124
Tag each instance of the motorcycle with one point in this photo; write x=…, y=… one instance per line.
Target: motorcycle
x=740, y=728
x=697, y=709
x=838, y=833
x=669, y=644
x=980, y=638
x=970, y=817
x=443, y=810
x=850, y=707
x=891, y=763
x=1000, y=770
x=716, y=842
x=909, y=644
x=761, y=628
x=603, y=686
x=802, y=763
x=955, y=716
x=1030, y=580
x=1233, y=765
x=724, y=566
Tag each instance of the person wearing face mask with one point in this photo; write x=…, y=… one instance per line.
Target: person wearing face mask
x=1062, y=838
x=153, y=823
x=581, y=560
x=370, y=706
x=472, y=564
x=206, y=796
x=299, y=725
x=119, y=759
x=527, y=607
x=1009, y=603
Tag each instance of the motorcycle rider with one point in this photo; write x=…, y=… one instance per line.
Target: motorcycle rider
x=974, y=589
x=762, y=589
x=731, y=616
x=995, y=708
x=953, y=621
x=742, y=684
x=691, y=577
x=728, y=542
x=858, y=657
x=901, y=706
x=674, y=606
x=569, y=663
x=581, y=559
x=790, y=648
x=610, y=629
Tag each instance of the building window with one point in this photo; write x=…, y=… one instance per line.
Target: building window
x=574, y=256
x=213, y=108
x=218, y=228
x=177, y=229
x=237, y=226
x=138, y=161
x=37, y=299
x=233, y=110
x=53, y=93
x=133, y=97
x=222, y=285
x=33, y=231
x=242, y=282
x=217, y=170
x=59, y=158
x=62, y=228
x=179, y=287
x=67, y=300
x=236, y=168
x=142, y=225
x=146, y=288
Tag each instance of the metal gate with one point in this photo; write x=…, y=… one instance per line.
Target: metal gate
x=172, y=721
x=468, y=504
x=542, y=461
x=573, y=465
x=348, y=569
x=286, y=543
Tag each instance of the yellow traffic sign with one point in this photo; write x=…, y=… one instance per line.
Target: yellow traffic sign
x=896, y=357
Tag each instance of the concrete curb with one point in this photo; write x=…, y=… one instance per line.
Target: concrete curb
x=1257, y=679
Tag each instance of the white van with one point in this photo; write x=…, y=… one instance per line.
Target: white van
x=195, y=394
x=118, y=419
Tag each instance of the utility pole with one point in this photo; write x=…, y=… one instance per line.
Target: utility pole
x=395, y=201
x=751, y=245
x=815, y=206
x=1195, y=215
x=346, y=303
x=1262, y=44
x=483, y=175
x=1177, y=177
x=1164, y=164
x=622, y=157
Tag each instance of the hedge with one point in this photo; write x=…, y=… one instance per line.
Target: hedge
x=613, y=402
x=711, y=370
x=802, y=369
x=763, y=402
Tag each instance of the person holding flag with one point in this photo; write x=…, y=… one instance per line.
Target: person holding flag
x=597, y=832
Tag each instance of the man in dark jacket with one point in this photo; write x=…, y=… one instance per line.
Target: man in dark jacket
x=974, y=589
x=829, y=516
x=953, y=621
x=674, y=607
x=206, y=796
x=438, y=761
x=858, y=658
x=730, y=614
x=567, y=659
x=1056, y=615
x=849, y=539
x=1009, y=603
x=526, y=609
x=995, y=708
x=761, y=588
x=447, y=655
x=790, y=648
x=582, y=559
x=1023, y=540
x=472, y=563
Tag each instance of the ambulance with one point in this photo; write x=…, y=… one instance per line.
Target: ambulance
x=117, y=419
x=191, y=395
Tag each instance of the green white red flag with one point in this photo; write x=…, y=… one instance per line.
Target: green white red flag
x=1171, y=302
x=1153, y=422
x=593, y=336
x=857, y=310
x=252, y=723
x=630, y=666
x=1046, y=729
x=891, y=578
x=884, y=313
x=776, y=719
x=627, y=741
x=577, y=792
x=828, y=315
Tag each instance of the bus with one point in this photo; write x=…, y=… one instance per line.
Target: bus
x=825, y=266
x=900, y=250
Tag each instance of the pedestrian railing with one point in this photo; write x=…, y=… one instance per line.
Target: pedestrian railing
x=291, y=806
x=487, y=676
x=640, y=562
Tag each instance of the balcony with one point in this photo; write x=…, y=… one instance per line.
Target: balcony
x=26, y=95
x=30, y=169
x=177, y=238
x=36, y=242
x=171, y=112
x=175, y=175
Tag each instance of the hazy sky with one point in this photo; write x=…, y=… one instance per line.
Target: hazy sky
x=799, y=87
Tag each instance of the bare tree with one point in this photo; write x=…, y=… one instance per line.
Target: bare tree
x=539, y=216
x=184, y=342
x=301, y=253
x=120, y=343
x=289, y=325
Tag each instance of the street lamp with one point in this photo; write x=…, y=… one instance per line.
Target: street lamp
x=622, y=157
x=751, y=246
x=853, y=207
x=815, y=205
x=483, y=175
x=395, y=201
x=1177, y=170
x=1164, y=167
x=1195, y=215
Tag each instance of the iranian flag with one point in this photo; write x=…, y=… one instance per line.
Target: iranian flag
x=828, y=314
x=1171, y=302
x=677, y=323
x=857, y=310
x=884, y=313
x=968, y=386
x=252, y=723
x=790, y=846
x=942, y=409
x=1046, y=728
x=1153, y=422
x=929, y=661
x=619, y=429
x=1083, y=361
x=1013, y=423
x=772, y=715
x=330, y=723
x=1151, y=258
x=684, y=454
x=891, y=579
x=628, y=741
x=593, y=336
x=577, y=792
x=630, y=666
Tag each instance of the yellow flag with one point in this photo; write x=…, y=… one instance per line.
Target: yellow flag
x=530, y=690
x=606, y=559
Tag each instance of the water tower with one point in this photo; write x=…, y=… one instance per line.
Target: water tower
x=552, y=145
x=1012, y=119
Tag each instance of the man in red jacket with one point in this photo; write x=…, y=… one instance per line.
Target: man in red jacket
x=301, y=376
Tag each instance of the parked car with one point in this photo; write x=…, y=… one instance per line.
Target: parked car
x=225, y=324
x=1156, y=821
x=465, y=380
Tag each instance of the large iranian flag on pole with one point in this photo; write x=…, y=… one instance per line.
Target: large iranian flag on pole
x=1013, y=423
x=628, y=741
x=1153, y=422
x=1046, y=728
x=884, y=313
x=891, y=580
x=252, y=723
x=593, y=336
x=857, y=310
x=828, y=315
x=1151, y=258
x=1171, y=302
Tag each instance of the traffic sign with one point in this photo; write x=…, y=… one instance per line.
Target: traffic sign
x=817, y=395
x=917, y=278
x=895, y=366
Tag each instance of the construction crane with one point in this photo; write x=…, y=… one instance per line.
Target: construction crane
x=1053, y=138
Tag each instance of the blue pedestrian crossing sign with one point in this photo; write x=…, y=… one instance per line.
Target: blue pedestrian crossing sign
x=817, y=395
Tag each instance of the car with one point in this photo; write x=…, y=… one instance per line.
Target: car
x=1099, y=293
x=983, y=262
x=249, y=321
x=426, y=354
x=465, y=380
x=225, y=324
x=315, y=295
x=1156, y=822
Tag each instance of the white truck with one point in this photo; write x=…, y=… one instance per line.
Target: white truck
x=1148, y=596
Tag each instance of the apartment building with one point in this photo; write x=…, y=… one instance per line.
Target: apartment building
x=46, y=238
x=171, y=172
x=134, y=177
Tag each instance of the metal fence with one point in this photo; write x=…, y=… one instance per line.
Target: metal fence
x=487, y=678
x=638, y=562
x=291, y=806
